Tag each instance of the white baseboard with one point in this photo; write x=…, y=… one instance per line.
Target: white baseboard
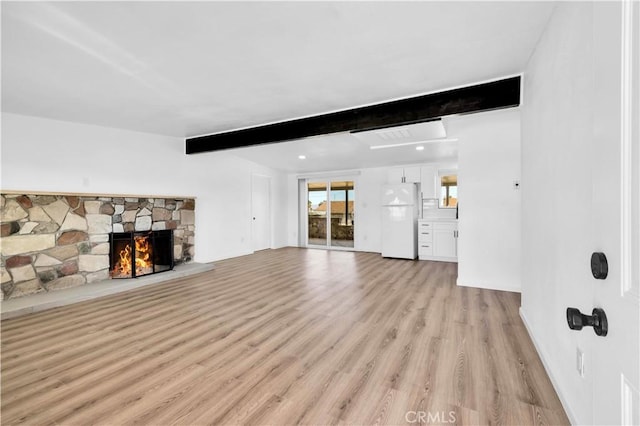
x=513, y=289
x=543, y=358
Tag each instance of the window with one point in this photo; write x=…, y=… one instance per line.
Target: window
x=448, y=191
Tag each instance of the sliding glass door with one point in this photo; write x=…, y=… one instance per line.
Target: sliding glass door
x=330, y=213
x=342, y=213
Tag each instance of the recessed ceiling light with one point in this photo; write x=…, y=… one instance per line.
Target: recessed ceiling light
x=302, y=157
x=419, y=148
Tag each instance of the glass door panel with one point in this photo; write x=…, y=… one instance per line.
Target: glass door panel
x=342, y=213
x=317, y=213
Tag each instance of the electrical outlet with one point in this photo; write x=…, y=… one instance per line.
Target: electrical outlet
x=580, y=362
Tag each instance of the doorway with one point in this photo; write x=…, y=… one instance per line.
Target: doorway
x=330, y=213
x=261, y=212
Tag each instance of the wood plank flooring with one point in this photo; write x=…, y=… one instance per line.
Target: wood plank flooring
x=288, y=336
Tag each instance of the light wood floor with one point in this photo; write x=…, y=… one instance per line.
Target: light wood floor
x=282, y=337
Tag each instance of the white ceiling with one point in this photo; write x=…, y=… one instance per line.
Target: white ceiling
x=193, y=68
x=346, y=151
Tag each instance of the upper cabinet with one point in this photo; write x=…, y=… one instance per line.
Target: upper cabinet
x=429, y=182
x=404, y=175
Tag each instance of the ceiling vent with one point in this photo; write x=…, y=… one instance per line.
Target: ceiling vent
x=393, y=134
x=401, y=135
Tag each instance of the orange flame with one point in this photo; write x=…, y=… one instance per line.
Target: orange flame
x=144, y=265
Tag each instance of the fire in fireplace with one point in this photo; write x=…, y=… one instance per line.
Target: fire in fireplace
x=134, y=254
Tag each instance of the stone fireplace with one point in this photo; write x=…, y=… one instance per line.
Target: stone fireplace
x=55, y=241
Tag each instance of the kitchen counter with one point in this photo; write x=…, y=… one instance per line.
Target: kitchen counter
x=438, y=219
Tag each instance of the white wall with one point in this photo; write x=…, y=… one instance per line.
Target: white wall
x=292, y=211
x=48, y=155
x=279, y=205
x=489, y=226
x=369, y=214
x=556, y=198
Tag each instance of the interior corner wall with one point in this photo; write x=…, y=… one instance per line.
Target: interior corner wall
x=55, y=156
x=279, y=203
x=293, y=200
x=489, y=224
x=557, y=173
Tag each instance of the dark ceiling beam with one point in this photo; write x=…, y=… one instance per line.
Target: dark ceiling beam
x=480, y=97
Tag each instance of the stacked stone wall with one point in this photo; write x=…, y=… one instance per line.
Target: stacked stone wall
x=50, y=242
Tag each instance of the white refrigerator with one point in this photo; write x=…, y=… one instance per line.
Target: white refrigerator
x=400, y=220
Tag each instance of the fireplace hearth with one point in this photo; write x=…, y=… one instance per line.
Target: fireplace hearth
x=134, y=254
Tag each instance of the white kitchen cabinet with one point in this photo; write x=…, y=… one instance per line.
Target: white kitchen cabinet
x=445, y=242
x=425, y=239
x=404, y=175
x=429, y=182
x=438, y=240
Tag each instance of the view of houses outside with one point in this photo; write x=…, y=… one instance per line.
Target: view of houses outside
x=452, y=199
x=449, y=191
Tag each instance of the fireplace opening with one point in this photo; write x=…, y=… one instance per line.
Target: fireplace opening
x=133, y=254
